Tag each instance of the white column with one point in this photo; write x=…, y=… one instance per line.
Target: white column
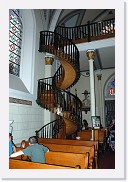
x=99, y=75
x=90, y=54
x=48, y=66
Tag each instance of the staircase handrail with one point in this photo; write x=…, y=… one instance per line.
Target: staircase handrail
x=63, y=98
x=50, y=40
x=53, y=127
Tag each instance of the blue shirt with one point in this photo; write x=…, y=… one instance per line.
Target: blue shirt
x=10, y=148
x=37, y=152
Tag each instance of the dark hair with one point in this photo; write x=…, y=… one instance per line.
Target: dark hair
x=10, y=134
x=33, y=140
x=85, y=121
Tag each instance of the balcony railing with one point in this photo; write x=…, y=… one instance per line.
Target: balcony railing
x=88, y=32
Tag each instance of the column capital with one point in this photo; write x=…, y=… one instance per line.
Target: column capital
x=90, y=54
x=99, y=76
x=49, y=60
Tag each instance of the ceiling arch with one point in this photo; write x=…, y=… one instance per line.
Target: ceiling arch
x=73, y=16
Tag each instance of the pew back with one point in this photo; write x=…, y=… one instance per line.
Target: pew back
x=19, y=164
x=69, y=142
x=67, y=159
x=73, y=142
x=73, y=149
x=100, y=135
x=85, y=135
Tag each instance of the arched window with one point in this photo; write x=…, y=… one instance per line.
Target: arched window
x=15, y=40
x=110, y=88
x=22, y=78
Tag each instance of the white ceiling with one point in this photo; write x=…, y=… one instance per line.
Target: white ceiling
x=104, y=49
x=104, y=54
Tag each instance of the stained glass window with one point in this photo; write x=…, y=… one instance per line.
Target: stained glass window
x=110, y=88
x=15, y=40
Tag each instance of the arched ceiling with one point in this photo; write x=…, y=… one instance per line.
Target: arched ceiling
x=105, y=49
x=82, y=16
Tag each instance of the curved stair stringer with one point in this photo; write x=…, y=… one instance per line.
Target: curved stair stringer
x=71, y=127
x=67, y=81
x=69, y=75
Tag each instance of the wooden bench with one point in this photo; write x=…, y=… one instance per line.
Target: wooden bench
x=66, y=159
x=68, y=142
x=99, y=135
x=74, y=149
x=20, y=164
x=85, y=135
x=103, y=138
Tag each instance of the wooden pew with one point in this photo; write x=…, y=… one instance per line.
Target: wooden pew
x=103, y=138
x=74, y=149
x=68, y=142
x=20, y=164
x=99, y=135
x=66, y=159
x=85, y=135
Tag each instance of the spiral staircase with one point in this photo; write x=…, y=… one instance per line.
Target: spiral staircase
x=54, y=92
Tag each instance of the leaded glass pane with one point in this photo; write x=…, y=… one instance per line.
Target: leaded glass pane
x=15, y=40
x=110, y=88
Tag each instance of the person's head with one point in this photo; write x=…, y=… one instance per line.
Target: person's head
x=85, y=121
x=10, y=136
x=32, y=140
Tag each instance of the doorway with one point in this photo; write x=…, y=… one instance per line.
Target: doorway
x=109, y=111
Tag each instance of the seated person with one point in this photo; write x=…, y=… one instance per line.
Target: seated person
x=85, y=125
x=111, y=134
x=12, y=148
x=111, y=125
x=34, y=150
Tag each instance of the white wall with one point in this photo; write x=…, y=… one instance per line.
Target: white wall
x=26, y=118
x=29, y=118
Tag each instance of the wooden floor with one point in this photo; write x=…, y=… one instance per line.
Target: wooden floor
x=107, y=159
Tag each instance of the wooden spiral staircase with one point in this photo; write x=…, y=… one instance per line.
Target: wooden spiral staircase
x=53, y=92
